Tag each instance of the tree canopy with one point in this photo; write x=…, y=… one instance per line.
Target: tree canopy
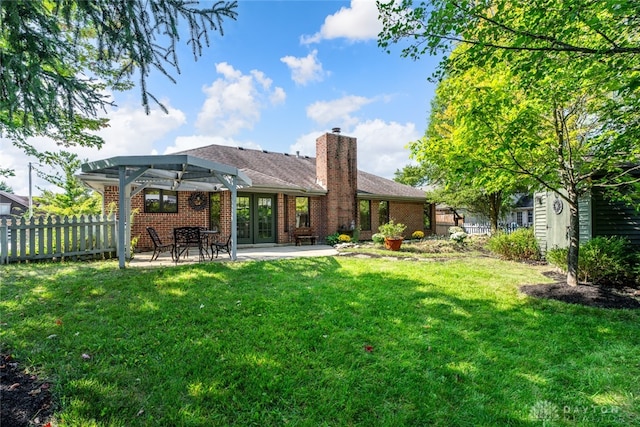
x=538, y=90
x=75, y=198
x=58, y=57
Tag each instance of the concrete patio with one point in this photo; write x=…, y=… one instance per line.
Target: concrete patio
x=246, y=253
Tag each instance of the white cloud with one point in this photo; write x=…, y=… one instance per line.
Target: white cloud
x=381, y=145
x=306, y=69
x=130, y=132
x=234, y=101
x=356, y=23
x=337, y=112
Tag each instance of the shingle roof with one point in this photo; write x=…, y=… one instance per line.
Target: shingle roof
x=22, y=200
x=278, y=171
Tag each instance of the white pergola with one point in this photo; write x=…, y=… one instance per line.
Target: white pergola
x=178, y=172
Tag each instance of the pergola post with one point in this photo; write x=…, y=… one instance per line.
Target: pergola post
x=234, y=217
x=122, y=216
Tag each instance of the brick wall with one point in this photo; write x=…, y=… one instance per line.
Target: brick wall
x=407, y=213
x=337, y=171
x=164, y=223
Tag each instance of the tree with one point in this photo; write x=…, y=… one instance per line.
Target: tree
x=497, y=132
x=59, y=57
x=413, y=175
x=5, y=187
x=570, y=101
x=75, y=199
x=597, y=31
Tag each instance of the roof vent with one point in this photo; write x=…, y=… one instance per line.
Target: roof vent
x=240, y=148
x=264, y=151
x=335, y=130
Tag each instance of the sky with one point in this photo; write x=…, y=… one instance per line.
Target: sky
x=284, y=73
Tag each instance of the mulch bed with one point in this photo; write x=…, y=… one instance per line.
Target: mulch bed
x=588, y=295
x=26, y=400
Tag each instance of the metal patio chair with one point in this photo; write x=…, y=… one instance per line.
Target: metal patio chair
x=158, y=246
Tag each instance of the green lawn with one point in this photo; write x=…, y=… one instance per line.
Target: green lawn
x=318, y=341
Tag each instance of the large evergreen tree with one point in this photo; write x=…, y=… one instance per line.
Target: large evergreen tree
x=57, y=58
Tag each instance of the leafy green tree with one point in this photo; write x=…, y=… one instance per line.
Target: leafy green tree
x=75, y=198
x=413, y=175
x=5, y=187
x=569, y=104
x=59, y=57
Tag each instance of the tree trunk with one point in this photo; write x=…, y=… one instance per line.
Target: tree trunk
x=574, y=237
x=495, y=201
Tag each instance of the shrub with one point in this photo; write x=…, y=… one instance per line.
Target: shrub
x=333, y=239
x=520, y=245
x=418, y=234
x=378, y=238
x=344, y=238
x=458, y=237
x=557, y=257
x=601, y=260
x=455, y=229
x=392, y=230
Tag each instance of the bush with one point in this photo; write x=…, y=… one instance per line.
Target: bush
x=418, y=234
x=459, y=237
x=378, y=238
x=557, y=257
x=601, y=260
x=333, y=239
x=344, y=238
x=455, y=229
x=521, y=245
x=392, y=230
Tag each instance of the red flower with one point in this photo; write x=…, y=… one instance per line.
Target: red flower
x=368, y=348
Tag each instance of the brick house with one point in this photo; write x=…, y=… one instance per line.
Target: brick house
x=327, y=193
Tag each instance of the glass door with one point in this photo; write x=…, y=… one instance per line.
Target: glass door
x=256, y=218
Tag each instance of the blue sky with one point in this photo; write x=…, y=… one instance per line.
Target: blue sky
x=283, y=74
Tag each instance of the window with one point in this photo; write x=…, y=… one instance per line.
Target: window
x=365, y=215
x=160, y=201
x=5, y=208
x=302, y=212
x=383, y=212
x=529, y=217
x=426, y=216
x=214, y=211
x=519, y=217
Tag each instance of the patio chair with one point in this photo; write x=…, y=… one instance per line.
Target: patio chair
x=158, y=246
x=223, y=246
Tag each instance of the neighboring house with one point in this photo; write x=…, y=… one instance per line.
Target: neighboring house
x=521, y=215
x=12, y=205
x=598, y=217
x=327, y=193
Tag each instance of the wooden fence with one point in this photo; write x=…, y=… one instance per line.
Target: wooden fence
x=58, y=238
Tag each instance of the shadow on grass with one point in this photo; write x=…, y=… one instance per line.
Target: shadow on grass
x=318, y=341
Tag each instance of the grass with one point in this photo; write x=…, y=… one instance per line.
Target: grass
x=318, y=341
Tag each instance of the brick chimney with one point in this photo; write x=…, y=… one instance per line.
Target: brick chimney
x=337, y=171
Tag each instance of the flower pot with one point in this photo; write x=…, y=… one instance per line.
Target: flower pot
x=392, y=244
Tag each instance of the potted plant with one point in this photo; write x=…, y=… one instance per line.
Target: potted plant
x=392, y=232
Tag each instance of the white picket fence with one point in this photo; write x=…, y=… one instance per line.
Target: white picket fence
x=486, y=228
x=58, y=238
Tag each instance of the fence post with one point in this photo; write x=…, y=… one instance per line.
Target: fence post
x=4, y=242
